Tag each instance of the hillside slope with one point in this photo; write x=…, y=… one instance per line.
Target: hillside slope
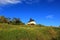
x=24, y=32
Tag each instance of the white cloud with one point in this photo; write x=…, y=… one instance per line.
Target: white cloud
x=50, y=16
x=5, y=2
x=31, y=1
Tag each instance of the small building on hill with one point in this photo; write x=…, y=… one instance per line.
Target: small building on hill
x=31, y=22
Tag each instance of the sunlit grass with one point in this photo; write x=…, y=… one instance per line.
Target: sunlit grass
x=27, y=32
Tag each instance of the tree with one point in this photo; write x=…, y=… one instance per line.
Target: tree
x=8, y=20
x=17, y=21
x=31, y=20
x=3, y=19
x=59, y=26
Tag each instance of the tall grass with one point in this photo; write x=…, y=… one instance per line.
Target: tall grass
x=23, y=32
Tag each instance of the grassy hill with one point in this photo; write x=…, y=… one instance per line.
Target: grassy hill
x=26, y=32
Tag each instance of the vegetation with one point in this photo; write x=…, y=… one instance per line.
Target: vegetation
x=28, y=32
x=12, y=29
x=14, y=21
x=31, y=20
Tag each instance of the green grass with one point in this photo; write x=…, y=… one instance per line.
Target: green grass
x=25, y=32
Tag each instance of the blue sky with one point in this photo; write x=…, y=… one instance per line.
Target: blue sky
x=46, y=12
